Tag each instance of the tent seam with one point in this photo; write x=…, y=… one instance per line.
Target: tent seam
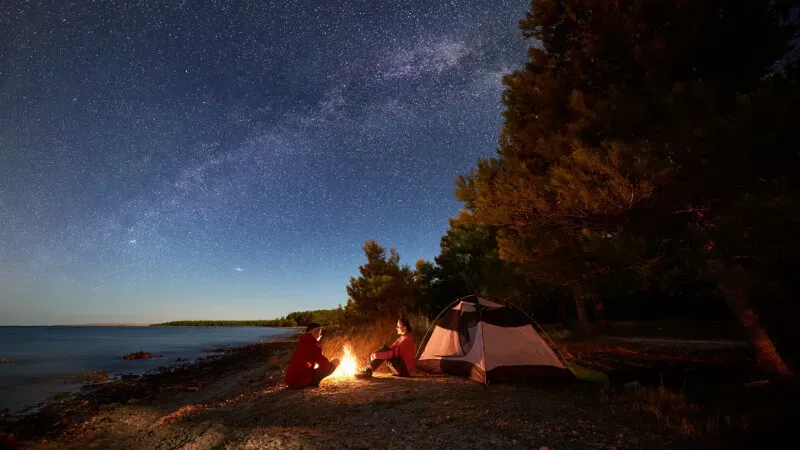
x=483, y=341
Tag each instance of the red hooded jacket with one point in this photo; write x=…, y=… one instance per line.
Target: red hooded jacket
x=402, y=347
x=301, y=368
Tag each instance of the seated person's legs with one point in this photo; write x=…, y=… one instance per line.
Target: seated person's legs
x=373, y=364
x=398, y=367
x=319, y=374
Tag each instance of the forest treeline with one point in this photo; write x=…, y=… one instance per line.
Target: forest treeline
x=282, y=322
x=324, y=317
x=646, y=168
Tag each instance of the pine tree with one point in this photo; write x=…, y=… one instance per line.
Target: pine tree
x=469, y=262
x=630, y=137
x=384, y=288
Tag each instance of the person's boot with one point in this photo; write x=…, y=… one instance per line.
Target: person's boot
x=364, y=374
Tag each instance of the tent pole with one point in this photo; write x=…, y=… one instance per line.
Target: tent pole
x=483, y=341
x=547, y=336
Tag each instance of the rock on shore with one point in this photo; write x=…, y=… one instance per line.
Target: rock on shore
x=91, y=377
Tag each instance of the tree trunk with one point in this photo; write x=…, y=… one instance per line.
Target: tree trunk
x=583, y=321
x=733, y=286
x=600, y=314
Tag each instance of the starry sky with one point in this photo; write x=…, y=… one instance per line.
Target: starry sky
x=218, y=159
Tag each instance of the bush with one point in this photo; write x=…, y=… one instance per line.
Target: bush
x=670, y=408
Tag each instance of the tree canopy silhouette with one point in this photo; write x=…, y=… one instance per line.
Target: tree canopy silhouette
x=645, y=136
x=384, y=288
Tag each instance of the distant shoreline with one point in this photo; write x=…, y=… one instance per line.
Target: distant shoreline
x=272, y=323
x=243, y=323
x=83, y=325
x=104, y=325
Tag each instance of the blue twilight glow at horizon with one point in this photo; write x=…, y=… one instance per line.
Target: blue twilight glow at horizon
x=227, y=159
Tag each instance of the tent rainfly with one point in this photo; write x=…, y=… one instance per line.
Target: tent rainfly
x=488, y=341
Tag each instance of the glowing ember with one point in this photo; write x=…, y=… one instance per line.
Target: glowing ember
x=348, y=366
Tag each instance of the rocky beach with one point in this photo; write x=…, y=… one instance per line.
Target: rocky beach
x=236, y=399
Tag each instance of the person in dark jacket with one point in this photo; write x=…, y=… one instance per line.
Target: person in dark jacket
x=308, y=366
x=399, y=356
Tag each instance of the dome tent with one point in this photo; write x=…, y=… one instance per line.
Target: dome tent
x=485, y=341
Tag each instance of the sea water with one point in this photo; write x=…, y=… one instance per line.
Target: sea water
x=45, y=358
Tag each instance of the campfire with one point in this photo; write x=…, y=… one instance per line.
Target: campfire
x=348, y=366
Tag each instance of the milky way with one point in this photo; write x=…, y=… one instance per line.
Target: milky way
x=227, y=159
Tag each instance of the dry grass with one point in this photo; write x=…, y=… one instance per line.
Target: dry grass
x=557, y=334
x=671, y=409
x=365, y=339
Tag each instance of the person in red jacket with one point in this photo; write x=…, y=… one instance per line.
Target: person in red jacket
x=400, y=355
x=308, y=366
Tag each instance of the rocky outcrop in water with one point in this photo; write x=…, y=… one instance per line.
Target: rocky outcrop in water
x=138, y=355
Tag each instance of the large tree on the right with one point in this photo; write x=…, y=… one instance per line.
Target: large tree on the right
x=645, y=137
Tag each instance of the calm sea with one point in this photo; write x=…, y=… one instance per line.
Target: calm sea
x=44, y=357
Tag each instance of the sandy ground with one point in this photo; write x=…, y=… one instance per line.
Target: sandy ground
x=238, y=401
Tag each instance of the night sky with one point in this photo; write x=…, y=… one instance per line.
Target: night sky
x=227, y=159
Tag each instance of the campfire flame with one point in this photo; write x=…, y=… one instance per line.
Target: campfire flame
x=348, y=366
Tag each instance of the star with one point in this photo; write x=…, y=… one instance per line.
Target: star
x=231, y=131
